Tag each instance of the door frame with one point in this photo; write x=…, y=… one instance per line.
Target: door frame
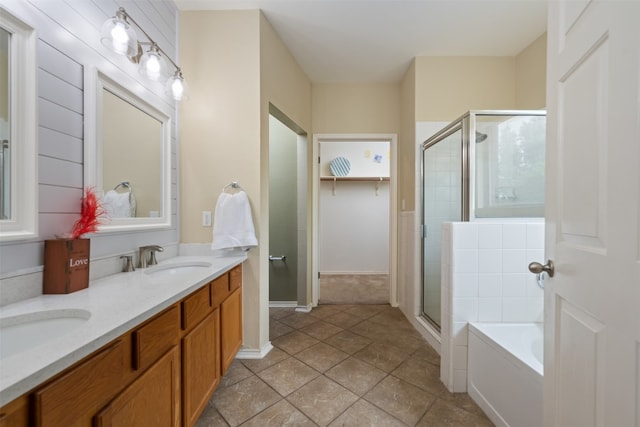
x=392, y=138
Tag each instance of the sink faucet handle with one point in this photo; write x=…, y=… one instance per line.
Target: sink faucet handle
x=128, y=263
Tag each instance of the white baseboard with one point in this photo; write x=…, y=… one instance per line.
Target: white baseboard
x=303, y=309
x=354, y=273
x=283, y=304
x=250, y=353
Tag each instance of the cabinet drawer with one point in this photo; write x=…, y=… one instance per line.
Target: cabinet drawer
x=73, y=398
x=155, y=338
x=195, y=308
x=220, y=290
x=235, y=278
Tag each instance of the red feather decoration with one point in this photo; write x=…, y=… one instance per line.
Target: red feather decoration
x=90, y=214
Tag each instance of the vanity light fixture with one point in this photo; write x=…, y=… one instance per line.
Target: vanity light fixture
x=119, y=35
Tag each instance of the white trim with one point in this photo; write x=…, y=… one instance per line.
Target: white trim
x=247, y=353
x=393, y=207
x=23, y=221
x=95, y=82
x=304, y=309
x=283, y=304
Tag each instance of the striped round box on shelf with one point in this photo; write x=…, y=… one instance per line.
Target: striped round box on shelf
x=340, y=166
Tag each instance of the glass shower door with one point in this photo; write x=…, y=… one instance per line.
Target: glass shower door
x=442, y=202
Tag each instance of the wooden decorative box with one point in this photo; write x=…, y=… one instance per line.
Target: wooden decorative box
x=66, y=265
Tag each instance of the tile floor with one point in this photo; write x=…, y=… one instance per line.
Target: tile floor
x=340, y=365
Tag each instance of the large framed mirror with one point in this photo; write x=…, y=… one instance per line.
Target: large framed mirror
x=127, y=156
x=18, y=129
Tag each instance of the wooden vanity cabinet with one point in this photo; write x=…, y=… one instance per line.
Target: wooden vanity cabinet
x=161, y=373
x=200, y=354
x=16, y=413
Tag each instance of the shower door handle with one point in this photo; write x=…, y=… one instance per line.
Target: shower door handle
x=282, y=258
x=537, y=268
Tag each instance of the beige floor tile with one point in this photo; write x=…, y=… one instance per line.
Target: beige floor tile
x=325, y=310
x=321, y=356
x=461, y=400
x=348, y=341
x=321, y=330
x=299, y=320
x=211, y=418
x=356, y=375
x=445, y=414
x=278, y=329
x=428, y=353
x=288, y=375
x=322, y=400
x=400, y=399
x=280, y=312
x=236, y=373
x=274, y=356
x=243, y=400
x=365, y=311
x=294, y=342
x=420, y=373
x=381, y=356
x=343, y=320
x=364, y=414
x=281, y=414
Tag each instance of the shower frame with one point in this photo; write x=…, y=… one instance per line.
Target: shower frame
x=466, y=123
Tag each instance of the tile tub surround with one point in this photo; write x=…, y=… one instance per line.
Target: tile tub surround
x=485, y=278
x=340, y=365
x=117, y=304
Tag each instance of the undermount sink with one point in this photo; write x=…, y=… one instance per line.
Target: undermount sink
x=25, y=331
x=177, y=268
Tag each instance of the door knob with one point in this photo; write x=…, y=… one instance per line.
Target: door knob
x=537, y=268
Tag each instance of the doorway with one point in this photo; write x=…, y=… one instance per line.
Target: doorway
x=346, y=237
x=287, y=213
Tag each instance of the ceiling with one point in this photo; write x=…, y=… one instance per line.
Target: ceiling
x=346, y=41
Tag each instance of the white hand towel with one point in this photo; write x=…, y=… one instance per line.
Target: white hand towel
x=232, y=223
x=117, y=205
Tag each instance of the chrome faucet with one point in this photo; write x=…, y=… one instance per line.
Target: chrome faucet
x=143, y=261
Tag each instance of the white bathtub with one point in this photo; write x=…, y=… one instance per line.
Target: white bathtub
x=505, y=372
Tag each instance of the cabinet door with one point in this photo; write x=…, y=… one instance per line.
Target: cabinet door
x=200, y=366
x=75, y=397
x=231, y=327
x=152, y=400
x=15, y=414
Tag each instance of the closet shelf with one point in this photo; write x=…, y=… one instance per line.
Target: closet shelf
x=354, y=178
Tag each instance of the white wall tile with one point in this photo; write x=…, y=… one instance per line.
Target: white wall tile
x=489, y=236
x=535, y=236
x=514, y=236
x=460, y=333
x=514, y=261
x=490, y=309
x=514, y=310
x=535, y=309
x=489, y=285
x=465, y=309
x=465, y=261
x=465, y=285
x=465, y=235
x=489, y=261
x=514, y=285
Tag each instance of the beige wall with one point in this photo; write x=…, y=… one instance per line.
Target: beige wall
x=236, y=66
x=447, y=87
x=531, y=75
x=355, y=108
x=286, y=86
x=407, y=141
x=220, y=130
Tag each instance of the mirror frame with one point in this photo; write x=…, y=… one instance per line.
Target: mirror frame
x=95, y=82
x=23, y=223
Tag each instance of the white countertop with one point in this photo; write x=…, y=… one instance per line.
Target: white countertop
x=117, y=304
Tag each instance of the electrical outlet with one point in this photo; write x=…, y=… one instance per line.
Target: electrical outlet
x=206, y=218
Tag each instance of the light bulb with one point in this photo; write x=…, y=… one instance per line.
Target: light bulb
x=119, y=36
x=152, y=64
x=176, y=87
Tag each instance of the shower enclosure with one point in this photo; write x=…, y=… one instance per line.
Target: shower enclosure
x=485, y=164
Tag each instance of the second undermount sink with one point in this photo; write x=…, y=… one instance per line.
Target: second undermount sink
x=172, y=269
x=25, y=331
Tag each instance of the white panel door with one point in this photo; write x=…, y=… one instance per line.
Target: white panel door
x=592, y=304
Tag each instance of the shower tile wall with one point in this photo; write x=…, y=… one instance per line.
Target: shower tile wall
x=485, y=279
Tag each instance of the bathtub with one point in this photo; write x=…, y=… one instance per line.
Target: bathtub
x=505, y=372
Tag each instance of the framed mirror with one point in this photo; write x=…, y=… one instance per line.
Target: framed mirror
x=18, y=129
x=127, y=156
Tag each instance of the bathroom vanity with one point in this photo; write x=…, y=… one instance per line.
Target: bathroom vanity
x=152, y=351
